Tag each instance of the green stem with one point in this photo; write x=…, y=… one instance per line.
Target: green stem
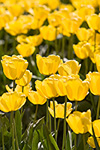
x=64, y=131
x=56, y=48
x=70, y=47
x=86, y=65
x=76, y=105
x=16, y=139
x=12, y=130
x=58, y=126
x=2, y=139
x=54, y=120
x=84, y=140
x=75, y=141
x=63, y=46
x=47, y=113
x=36, y=113
x=50, y=122
x=98, y=109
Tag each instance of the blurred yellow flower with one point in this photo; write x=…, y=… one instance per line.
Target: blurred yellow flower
x=94, y=79
x=48, y=65
x=26, y=78
x=69, y=67
x=91, y=142
x=35, y=98
x=15, y=9
x=59, y=109
x=49, y=32
x=12, y=101
x=25, y=49
x=80, y=122
x=94, y=21
x=14, y=67
x=97, y=58
x=82, y=49
x=46, y=88
x=84, y=34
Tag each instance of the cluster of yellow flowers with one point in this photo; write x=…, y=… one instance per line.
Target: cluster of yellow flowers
x=50, y=20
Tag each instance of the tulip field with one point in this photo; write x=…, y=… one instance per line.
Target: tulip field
x=50, y=75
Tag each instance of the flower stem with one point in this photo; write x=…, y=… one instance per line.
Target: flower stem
x=98, y=109
x=12, y=130
x=58, y=125
x=49, y=122
x=54, y=120
x=47, y=113
x=36, y=113
x=2, y=139
x=84, y=140
x=64, y=131
x=16, y=139
x=56, y=48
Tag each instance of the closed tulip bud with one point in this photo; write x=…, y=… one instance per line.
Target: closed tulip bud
x=25, y=49
x=84, y=34
x=46, y=88
x=80, y=122
x=12, y=101
x=91, y=142
x=97, y=59
x=94, y=79
x=49, y=32
x=48, y=65
x=35, y=98
x=59, y=109
x=94, y=22
x=14, y=67
x=26, y=78
x=82, y=49
x=69, y=67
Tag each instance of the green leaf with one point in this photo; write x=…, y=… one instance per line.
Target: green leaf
x=95, y=140
x=35, y=140
x=18, y=125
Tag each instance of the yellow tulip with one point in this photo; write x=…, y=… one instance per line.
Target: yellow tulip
x=16, y=27
x=25, y=49
x=26, y=78
x=14, y=67
x=96, y=127
x=69, y=67
x=94, y=22
x=94, y=79
x=46, y=88
x=91, y=142
x=59, y=109
x=97, y=58
x=49, y=32
x=92, y=39
x=35, y=98
x=82, y=49
x=84, y=34
x=12, y=101
x=80, y=122
x=48, y=65
x=15, y=9
x=25, y=90
x=68, y=7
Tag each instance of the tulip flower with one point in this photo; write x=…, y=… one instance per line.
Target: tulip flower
x=48, y=65
x=91, y=142
x=84, y=34
x=25, y=49
x=82, y=49
x=68, y=68
x=26, y=78
x=14, y=67
x=35, y=98
x=80, y=122
x=94, y=79
x=59, y=109
x=97, y=58
x=49, y=32
x=94, y=22
x=46, y=88
x=12, y=101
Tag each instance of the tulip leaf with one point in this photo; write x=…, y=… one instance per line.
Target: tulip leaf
x=35, y=140
x=95, y=140
x=18, y=125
